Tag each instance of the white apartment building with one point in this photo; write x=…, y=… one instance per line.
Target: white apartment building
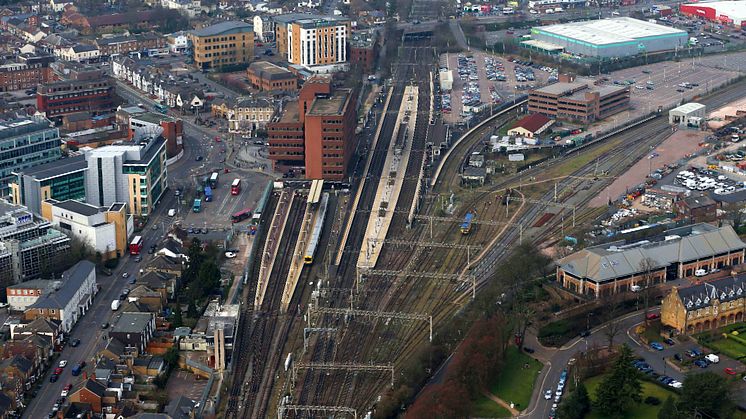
x=87, y=223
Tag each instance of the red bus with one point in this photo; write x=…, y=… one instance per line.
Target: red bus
x=236, y=187
x=241, y=215
x=136, y=245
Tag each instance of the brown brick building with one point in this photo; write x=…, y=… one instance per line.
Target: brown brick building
x=26, y=72
x=615, y=267
x=91, y=92
x=268, y=77
x=578, y=100
x=363, y=50
x=315, y=135
x=698, y=208
x=127, y=44
x=705, y=306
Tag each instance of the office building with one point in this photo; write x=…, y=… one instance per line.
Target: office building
x=25, y=71
x=578, y=100
x=224, y=44
x=141, y=122
x=245, y=115
x=59, y=179
x=29, y=246
x=135, y=174
x=90, y=91
x=24, y=143
x=706, y=306
x=609, y=38
x=269, y=77
x=104, y=230
x=364, y=49
x=315, y=136
x=317, y=43
x=616, y=267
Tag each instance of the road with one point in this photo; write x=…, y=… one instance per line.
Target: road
x=558, y=359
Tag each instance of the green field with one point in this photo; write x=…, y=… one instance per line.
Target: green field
x=729, y=347
x=483, y=407
x=515, y=383
x=640, y=410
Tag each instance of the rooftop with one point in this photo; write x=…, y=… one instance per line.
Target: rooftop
x=616, y=30
x=532, y=122
x=231, y=26
x=722, y=290
x=688, y=107
x=733, y=9
x=613, y=260
x=290, y=114
x=331, y=106
x=132, y=322
x=270, y=71
x=72, y=281
x=57, y=168
x=78, y=207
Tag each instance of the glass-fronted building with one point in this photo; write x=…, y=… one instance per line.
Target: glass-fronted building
x=61, y=180
x=25, y=143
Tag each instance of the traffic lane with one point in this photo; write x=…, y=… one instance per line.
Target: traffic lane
x=100, y=311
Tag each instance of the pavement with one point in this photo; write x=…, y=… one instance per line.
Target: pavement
x=556, y=359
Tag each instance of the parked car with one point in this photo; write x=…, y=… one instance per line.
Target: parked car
x=58, y=371
x=657, y=346
x=53, y=378
x=700, y=363
x=730, y=371
x=74, y=343
x=669, y=341
x=548, y=395
x=63, y=363
x=653, y=316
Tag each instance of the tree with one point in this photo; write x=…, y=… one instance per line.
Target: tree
x=612, y=323
x=706, y=394
x=177, y=320
x=669, y=410
x=576, y=405
x=192, y=309
x=647, y=266
x=621, y=388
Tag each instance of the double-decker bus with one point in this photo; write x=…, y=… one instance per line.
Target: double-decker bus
x=214, y=180
x=236, y=187
x=241, y=215
x=136, y=246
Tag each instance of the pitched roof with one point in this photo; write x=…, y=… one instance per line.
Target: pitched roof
x=72, y=281
x=532, y=122
x=180, y=407
x=40, y=325
x=699, y=201
x=92, y=385
x=17, y=361
x=723, y=290
x=83, y=48
x=613, y=260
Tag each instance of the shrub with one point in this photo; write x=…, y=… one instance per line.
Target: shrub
x=652, y=400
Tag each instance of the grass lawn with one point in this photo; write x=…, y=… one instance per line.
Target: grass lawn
x=515, y=383
x=486, y=408
x=652, y=332
x=640, y=410
x=729, y=347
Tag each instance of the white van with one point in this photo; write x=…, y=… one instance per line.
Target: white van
x=712, y=358
x=700, y=272
x=171, y=212
x=115, y=305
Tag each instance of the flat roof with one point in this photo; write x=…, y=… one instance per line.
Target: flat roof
x=78, y=207
x=333, y=105
x=546, y=46
x=231, y=26
x=610, y=31
x=290, y=114
x=561, y=88
x=735, y=10
x=688, y=107
x=57, y=168
x=132, y=322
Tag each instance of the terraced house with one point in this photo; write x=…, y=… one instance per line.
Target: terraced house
x=705, y=306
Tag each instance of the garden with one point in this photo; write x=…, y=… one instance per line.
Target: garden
x=729, y=341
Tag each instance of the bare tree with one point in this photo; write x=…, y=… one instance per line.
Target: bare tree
x=612, y=323
x=647, y=266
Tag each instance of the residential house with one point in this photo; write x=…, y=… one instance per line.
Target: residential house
x=153, y=300
x=134, y=330
x=88, y=391
x=80, y=53
x=246, y=115
x=149, y=367
x=48, y=329
x=16, y=377
x=181, y=407
x=189, y=8
x=123, y=45
x=70, y=300
x=35, y=348
x=160, y=282
x=178, y=42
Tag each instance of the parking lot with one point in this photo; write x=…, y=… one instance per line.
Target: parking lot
x=480, y=78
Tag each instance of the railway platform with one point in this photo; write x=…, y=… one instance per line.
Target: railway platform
x=276, y=229
x=392, y=179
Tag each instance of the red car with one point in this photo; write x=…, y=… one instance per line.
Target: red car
x=653, y=316
x=217, y=139
x=68, y=387
x=58, y=371
x=730, y=371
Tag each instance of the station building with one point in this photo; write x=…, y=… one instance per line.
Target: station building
x=688, y=115
x=610, y=38
x=615, y=267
